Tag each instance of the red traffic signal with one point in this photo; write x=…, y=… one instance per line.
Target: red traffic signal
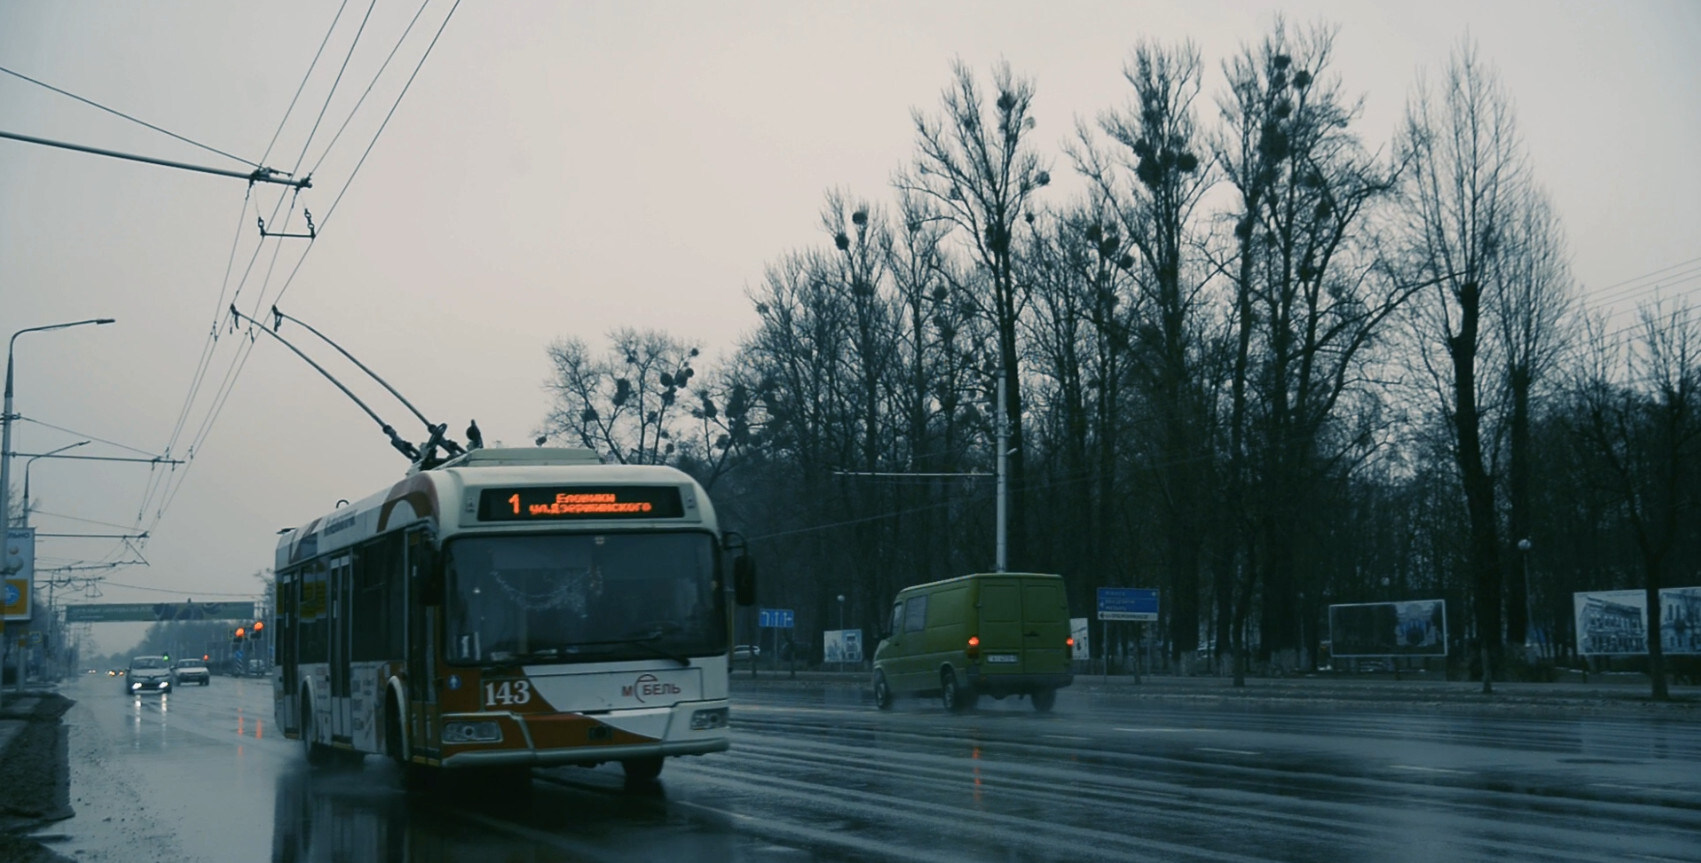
x=240, y=632
x=258, y=625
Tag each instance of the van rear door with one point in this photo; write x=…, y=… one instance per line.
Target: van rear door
x=1045, y=626
x=1001, y=625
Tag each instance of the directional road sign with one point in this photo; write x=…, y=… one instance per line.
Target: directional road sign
x=774, y=618
x=1128, y=603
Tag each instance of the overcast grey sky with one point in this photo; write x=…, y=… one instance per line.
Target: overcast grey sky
x=563, y=169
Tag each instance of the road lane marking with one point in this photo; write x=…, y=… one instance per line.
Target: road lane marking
x=1429, y=769
x=1069, y=737
x=1225, y=751
x=1614, y=785
x=1163, y=730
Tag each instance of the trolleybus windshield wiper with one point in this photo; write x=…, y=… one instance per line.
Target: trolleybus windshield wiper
x=645, y=640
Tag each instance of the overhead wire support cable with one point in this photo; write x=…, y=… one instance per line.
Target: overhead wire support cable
x=92, y=103
x=258, y=175
x=154, y=460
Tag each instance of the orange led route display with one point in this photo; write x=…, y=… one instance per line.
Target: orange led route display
x=557, y=503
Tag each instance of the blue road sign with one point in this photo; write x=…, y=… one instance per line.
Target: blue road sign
x=774, y=618
x=1128, y=603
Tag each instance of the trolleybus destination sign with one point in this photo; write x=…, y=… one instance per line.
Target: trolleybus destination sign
x=556, y=503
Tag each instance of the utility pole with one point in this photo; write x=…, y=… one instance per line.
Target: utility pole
x=1003, y=478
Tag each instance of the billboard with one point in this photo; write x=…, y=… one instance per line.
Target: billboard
x=1414, y=628
x=19, y=566
x=1615, y=622
x=842, y=645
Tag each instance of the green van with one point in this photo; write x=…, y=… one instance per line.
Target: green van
x=996, y=633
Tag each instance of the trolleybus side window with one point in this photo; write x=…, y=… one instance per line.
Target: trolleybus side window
x=314, y=626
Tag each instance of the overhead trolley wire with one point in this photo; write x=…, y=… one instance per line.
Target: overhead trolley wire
x=304, y=78
x=368, y=152
x=246, y=349
x=362, y=100
x=209, y=348
x=329, y=94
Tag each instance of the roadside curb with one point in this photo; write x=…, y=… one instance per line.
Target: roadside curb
x=34, y=774
x=1568, y=698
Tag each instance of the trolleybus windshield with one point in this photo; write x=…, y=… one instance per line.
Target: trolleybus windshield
x=583, y=598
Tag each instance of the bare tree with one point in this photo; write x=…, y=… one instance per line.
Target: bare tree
x=1155, y=182
x=980, y=170
x=624, y=403
x=1463, y=195
x=1310, y=305
x=1530, y=310
x=1079, y=341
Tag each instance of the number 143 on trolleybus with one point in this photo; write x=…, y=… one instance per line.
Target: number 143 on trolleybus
x=511, y=608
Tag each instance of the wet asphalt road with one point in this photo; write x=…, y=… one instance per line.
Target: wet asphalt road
x=817, y=774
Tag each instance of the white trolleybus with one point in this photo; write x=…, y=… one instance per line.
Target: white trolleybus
x=511, y=608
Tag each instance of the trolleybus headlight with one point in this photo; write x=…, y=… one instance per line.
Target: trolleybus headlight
x=703, y=720
x=472, y=732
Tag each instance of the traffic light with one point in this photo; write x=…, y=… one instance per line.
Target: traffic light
x=241, y=633
x=258, y=626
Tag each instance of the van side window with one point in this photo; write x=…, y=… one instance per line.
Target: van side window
x=897, y=624
x=915, y=613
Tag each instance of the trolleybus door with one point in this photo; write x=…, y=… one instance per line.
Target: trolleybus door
x=421, y=646
x=289, y=599
x=342, y=629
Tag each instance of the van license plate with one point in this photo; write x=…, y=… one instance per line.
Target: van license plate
x=1009, y=658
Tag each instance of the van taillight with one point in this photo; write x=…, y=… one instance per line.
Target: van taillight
x=974, y=647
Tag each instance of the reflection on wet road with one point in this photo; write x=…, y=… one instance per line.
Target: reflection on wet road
x=817, y=774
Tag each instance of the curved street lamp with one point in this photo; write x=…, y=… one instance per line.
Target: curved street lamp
x=30, y=461
x=6, y=415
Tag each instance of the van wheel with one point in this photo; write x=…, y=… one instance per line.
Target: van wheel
x=956, y=700
x=882, y=691
x=1044, y=699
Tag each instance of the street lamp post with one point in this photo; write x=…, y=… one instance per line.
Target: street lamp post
x=52, y=614
x=6, y=441
x=1529, y=601
x=6, y=415
x=30, y=461
x=841, y=632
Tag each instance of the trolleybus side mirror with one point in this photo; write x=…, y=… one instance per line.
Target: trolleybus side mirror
x=744, y=580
